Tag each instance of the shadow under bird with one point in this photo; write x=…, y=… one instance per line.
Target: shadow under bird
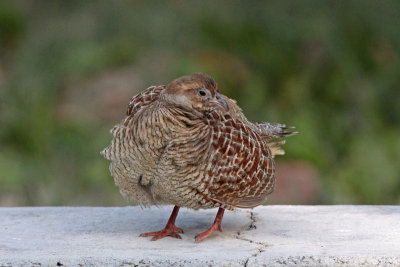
x=187, y=145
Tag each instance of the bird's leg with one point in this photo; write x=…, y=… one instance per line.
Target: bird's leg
x=217, y=225
x=169, y=230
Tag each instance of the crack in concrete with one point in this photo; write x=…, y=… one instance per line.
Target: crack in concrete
x=252, y=226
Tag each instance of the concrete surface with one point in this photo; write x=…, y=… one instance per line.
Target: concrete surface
x=270, y=235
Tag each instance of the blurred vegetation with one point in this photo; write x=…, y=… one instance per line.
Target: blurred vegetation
x=331, y=68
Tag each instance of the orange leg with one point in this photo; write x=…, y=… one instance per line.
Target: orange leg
x=217, y=225
x=169, y=230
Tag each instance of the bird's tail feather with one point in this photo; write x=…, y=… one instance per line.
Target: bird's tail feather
x=271, y=131
x=276, y=148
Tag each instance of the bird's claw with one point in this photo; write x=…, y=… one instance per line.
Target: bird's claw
x=179, y=230
x=170, y=231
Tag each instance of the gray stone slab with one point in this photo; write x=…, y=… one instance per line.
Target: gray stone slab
x=327, y=235
x=269, y=235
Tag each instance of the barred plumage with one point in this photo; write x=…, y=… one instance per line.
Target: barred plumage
x=187, y=145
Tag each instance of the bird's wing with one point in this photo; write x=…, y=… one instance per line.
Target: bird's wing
x=266, y=130
x=143, y=99
x=241, y=171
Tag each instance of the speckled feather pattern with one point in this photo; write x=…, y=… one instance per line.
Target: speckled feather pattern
x=161, y=154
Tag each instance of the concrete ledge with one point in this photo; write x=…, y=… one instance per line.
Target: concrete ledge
x=270, y=235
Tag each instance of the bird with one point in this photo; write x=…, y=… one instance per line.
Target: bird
x=186, y=144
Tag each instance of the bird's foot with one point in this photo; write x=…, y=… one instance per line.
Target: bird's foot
x=171, y=230
x=215, y=227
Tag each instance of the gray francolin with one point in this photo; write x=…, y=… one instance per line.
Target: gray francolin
x=187, y=145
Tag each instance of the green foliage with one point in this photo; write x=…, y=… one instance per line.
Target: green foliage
x=331, y=68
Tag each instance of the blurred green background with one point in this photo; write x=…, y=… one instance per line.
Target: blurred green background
x=331, y=68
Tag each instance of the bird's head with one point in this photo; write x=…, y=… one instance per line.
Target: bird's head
x=196, y=91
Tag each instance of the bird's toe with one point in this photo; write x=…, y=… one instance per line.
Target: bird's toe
x=179, y=230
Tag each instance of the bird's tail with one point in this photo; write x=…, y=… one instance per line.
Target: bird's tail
x=276, y=149
x=271, y=131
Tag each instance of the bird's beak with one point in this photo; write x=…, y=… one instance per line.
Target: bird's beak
x=222, y=102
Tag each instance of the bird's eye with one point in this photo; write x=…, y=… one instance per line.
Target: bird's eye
x=202, y=93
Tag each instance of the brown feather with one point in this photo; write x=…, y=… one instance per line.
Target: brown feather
x=193, y=150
